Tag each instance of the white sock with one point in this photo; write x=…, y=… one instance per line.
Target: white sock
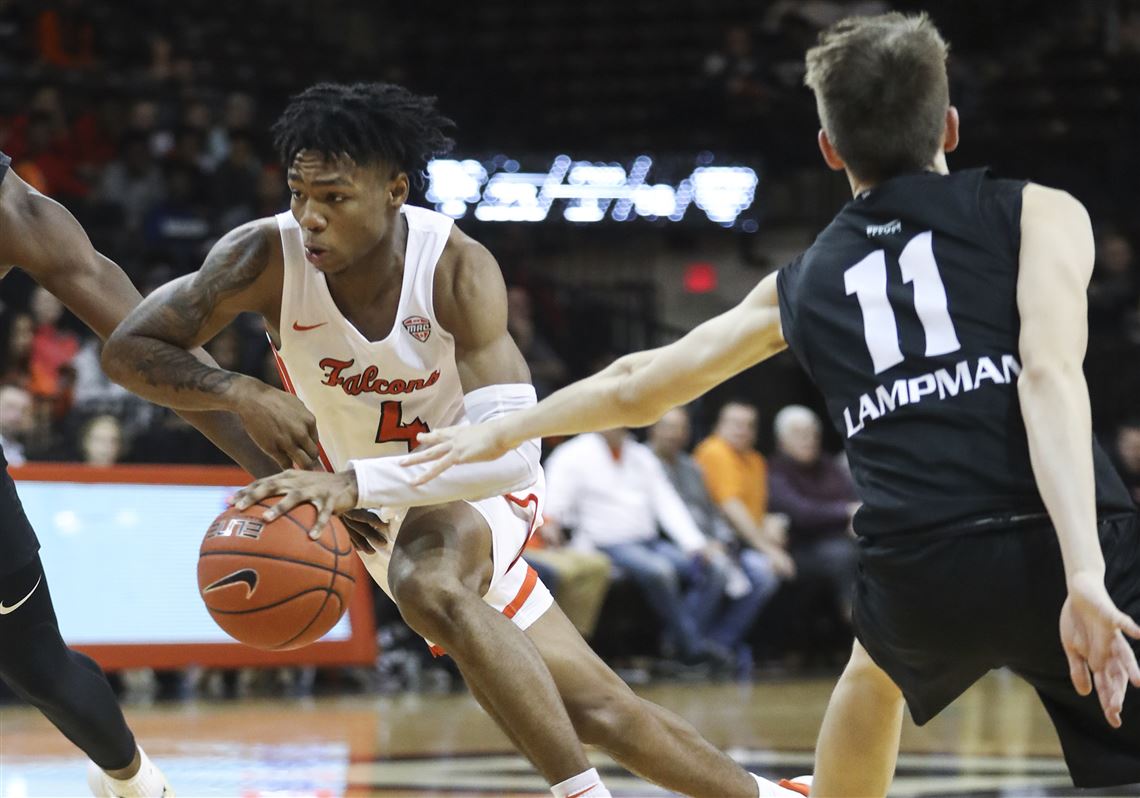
x=587, y=784
x=147, y=783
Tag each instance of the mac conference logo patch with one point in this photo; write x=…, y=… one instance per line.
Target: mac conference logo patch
x=419, y=327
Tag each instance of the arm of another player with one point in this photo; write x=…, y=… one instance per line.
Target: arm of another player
x=634, y=391
x=471, y=304
x=49, y=244
x=1056, y=259
x=149, y=352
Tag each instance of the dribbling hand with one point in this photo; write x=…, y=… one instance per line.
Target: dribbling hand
x=1093, y=633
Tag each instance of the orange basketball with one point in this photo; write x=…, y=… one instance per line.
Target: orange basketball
x=268, y=584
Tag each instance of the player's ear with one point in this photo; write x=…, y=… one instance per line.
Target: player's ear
x=830, y=154
x=950, y=136
x=398, y=190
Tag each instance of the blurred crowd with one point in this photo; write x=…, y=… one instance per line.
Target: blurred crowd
x=149, y=121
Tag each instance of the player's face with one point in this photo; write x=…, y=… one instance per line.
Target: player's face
x=345, y=210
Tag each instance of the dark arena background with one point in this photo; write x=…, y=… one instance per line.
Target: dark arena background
x=635, y=167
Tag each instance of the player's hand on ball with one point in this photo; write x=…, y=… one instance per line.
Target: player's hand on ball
x=366, y=530
x=281, y=425
x=1093, y=633
x=329, y=493
x=449, y=446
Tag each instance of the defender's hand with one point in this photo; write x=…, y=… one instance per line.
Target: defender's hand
x=367, y=531
x=329, y=493
x=280, y=424
x=450, y=446
x=1093, y=635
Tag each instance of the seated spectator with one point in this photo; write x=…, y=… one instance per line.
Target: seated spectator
x=749, y=578
x=53, y=348
x=737, y=479
x=16, y=333
x=818, y=497
x=1115, y=285
x=613, y=492
x=578, y=578
x=133, y=181
x=1128, y=456
x=179, y=226
x=15, y=422
x=547, y=371
x=101, y=441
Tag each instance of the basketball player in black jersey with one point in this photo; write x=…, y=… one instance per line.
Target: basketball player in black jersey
x=943, y=317
x=39, y=236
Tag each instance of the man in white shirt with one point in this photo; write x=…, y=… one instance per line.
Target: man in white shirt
x=614, y=493
x=15, y=420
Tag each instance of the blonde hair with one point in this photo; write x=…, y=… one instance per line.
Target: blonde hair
x=882, y=92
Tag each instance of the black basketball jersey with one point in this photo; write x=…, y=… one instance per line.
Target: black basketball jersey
x=904, y=313
x=5, y=162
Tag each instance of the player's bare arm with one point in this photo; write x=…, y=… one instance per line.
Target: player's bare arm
x=471, y=304
x=1056, y=261
x=634, y=391
x=149, y=353
x=46, y=241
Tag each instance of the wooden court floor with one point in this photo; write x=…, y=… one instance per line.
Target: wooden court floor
x=996, y=740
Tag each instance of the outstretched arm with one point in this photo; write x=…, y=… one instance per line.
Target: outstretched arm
x=634, y=391
x=1056, y=260
x=46, y=241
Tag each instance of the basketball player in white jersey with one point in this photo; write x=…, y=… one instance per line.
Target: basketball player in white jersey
x=387, y=321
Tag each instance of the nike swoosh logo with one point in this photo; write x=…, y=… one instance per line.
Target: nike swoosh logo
x=246, y=576
x=306, y=327
x=5, y=610
x=583, y=792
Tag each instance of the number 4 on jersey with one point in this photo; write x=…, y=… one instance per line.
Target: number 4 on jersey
x=393, y=429
x=867, y=280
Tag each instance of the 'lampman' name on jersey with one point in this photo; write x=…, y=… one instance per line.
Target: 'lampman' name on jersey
x=367, y=382
x=945, y=382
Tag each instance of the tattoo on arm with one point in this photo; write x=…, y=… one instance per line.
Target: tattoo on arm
x=156, y=338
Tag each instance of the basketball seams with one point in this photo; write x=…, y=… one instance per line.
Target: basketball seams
x=232, y=553
x=277, y=603
x=316, y=615
x=305, y=529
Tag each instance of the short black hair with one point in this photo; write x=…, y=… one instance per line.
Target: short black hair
x=368, y=122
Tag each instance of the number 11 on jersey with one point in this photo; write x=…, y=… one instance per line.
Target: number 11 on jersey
x=867, y=280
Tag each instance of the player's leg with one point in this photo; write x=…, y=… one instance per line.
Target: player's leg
x=645, y=738
x=859, y=740
x=66, y=686
x=441, y=568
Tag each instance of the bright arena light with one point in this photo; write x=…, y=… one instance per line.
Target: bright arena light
x=587, y=192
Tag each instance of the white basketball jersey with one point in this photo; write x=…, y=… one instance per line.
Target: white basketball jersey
x=370, y=398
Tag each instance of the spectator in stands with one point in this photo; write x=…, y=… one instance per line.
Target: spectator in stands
x=133, y=181
x=749, y=578
x=179, y=225
x=1115, y=285
x=613, y=492
x=819, y=499
x=101, y=441
x=17, y=330
x=15, y=422
x=1128, y=456
x=65, y=36
x=53, y=348
x=737, y=75
x=234, y=183
x=547, y=371
x=578, y=577
x=737, y=479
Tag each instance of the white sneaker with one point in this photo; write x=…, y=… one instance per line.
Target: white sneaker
x=152, y=785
